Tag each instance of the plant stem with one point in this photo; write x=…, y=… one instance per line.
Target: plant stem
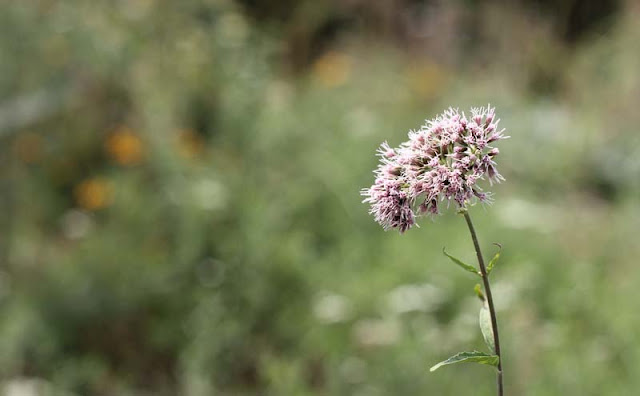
x=487, y=290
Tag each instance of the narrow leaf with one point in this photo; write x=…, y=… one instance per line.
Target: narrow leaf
x=485, y=327
x=495, y=258
x=462, y=265
x=478, y=290
x=469, y=357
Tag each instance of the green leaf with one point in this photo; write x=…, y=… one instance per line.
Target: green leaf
x=495, y=258
x=485, y=327
x=478, y=290
x=469, y=357
x=462, y=265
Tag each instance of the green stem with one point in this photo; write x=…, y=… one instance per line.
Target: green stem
x=487, y=290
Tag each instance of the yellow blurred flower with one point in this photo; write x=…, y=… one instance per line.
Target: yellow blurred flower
x=190, y=145
x=28, y=147
x=332, y=69
x=92, y=194
x=426, y=79
x=124, y=146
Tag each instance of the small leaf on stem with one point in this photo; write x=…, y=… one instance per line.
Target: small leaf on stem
x=485, y=327
x=462, y=265
x=469, y=357
x=495, y=258
x=478, y=290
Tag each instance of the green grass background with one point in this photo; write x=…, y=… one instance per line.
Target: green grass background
x=241, y=261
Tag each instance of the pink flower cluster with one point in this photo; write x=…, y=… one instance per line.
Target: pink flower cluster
x=442, y=161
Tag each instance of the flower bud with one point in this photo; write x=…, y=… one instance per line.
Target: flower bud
x=394, y=170
x=489, y=118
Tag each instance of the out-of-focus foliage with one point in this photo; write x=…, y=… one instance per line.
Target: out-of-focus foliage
x=181, y=210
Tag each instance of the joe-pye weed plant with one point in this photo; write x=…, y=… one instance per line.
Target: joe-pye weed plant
x=441, y=164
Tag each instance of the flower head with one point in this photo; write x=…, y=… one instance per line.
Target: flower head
x=442, y=161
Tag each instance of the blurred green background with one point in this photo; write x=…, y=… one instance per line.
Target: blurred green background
x=180, y=209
